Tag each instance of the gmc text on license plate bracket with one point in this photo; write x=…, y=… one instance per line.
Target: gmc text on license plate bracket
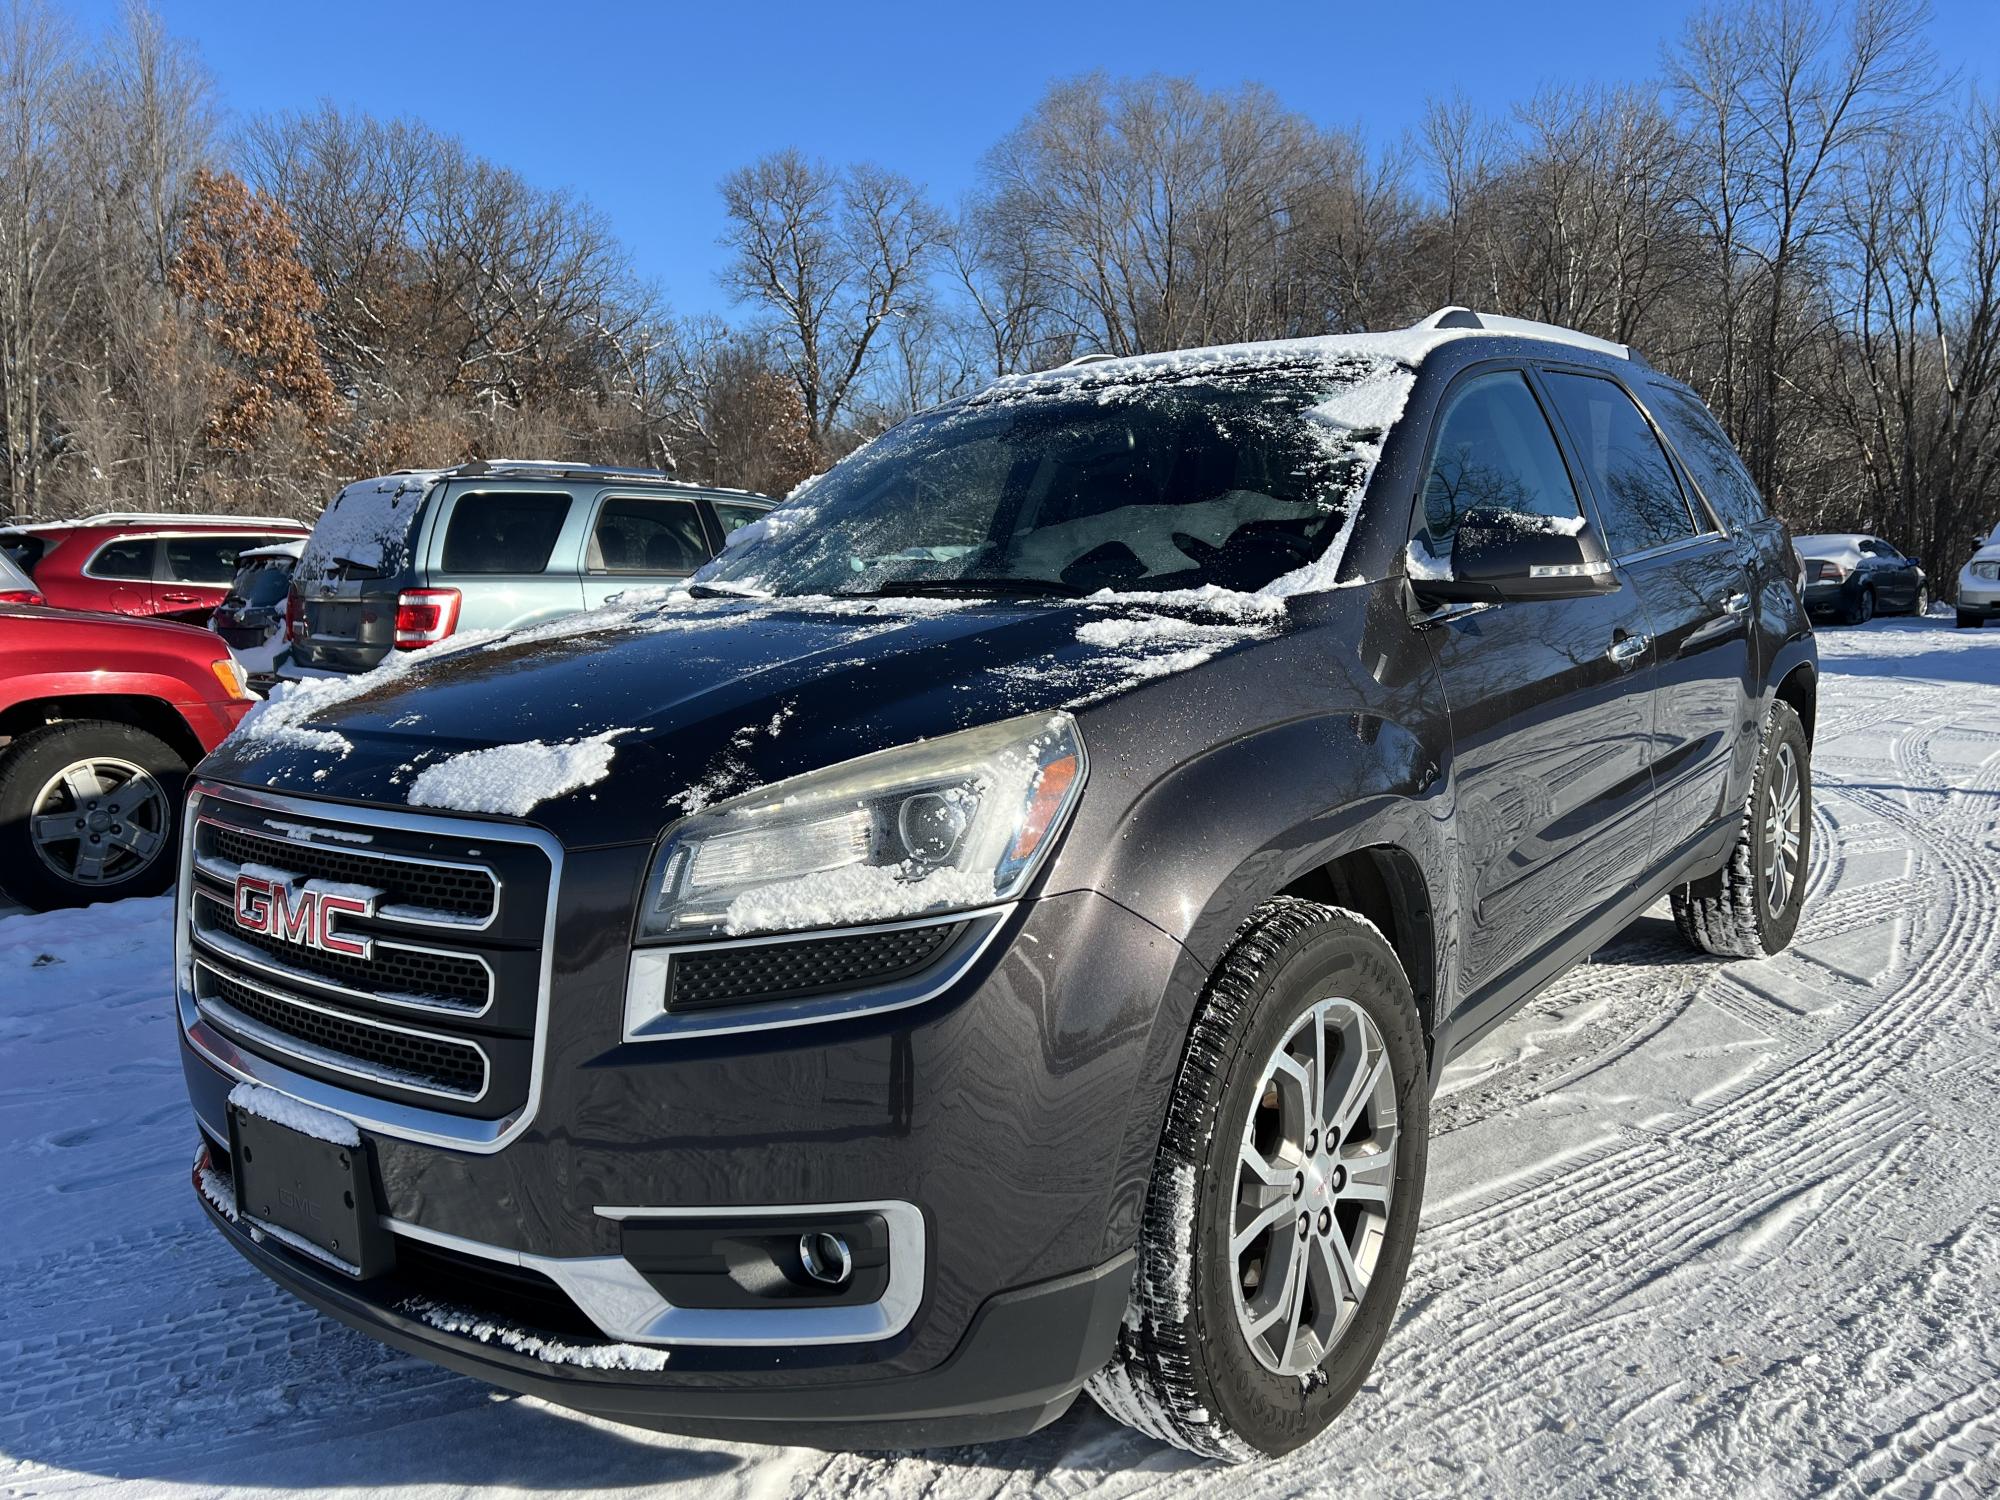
x=316, y=1190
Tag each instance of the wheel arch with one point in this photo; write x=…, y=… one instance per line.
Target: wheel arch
x=153, y=715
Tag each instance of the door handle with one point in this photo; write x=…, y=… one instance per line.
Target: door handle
x=178, y=598
x=1629, y=648
x=1736, y=604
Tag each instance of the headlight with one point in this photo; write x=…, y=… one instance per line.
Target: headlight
x=1985, y=570
x=942, y=825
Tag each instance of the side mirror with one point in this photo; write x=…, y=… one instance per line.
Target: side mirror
x=1502, y=554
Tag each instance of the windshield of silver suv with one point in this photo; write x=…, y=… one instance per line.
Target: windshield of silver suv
x=1072, y=486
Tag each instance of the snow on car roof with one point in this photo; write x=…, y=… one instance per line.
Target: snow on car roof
x=292, y=550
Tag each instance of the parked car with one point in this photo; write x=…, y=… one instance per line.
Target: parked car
x=998, y=930
x=174, y=567
x=1853, y=577
x=1979, y=585
x=251, y=617
x=17, y=587
x=100, y=719
x=404, y=561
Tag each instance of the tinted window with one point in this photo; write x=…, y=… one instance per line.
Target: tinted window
x=263, y=581
x=733, y=516
x=1494, y=451
x=503, y=533
x=648, y=536
x=207, y=559
x=1709, y=455
x=123, y=560
x=1638, y=497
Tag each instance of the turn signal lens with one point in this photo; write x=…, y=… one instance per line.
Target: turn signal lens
x=229, y=672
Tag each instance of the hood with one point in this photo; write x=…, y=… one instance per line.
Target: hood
x=1988, y=552
x=606, y=727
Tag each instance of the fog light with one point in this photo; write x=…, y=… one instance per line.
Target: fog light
x=826, y=1258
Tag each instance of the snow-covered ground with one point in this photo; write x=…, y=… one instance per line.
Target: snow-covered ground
x=1692, y=1229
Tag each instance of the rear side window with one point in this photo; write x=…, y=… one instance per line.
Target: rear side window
x=1494, y=451
x=503, y=533
x=647, y=536
x=207, y=559
x=734, y=516
x=25, y=548
x=1638, y=496
x=127, y=559
x=1709, y=455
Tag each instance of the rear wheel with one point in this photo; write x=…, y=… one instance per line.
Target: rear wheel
x=1862, y=610
x=87, y=813
x=1285, y=1196
x=1750, y=908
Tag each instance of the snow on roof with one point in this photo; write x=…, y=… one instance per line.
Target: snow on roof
x=293, y=550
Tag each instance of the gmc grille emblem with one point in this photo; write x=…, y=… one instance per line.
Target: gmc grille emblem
x=305, y=917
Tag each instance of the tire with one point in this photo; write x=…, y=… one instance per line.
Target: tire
x=1969, y=621
x=1922, y=606
x=1862, y=610
x=1731, y=914
x=1186, y=1371
x=133, y=850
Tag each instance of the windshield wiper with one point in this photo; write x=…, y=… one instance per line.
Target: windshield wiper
x=970, y=588
x=725, y=591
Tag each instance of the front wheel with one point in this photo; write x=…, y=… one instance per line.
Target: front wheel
x=87, y=813
x=1969, y=621
x=1750, y=907
x=1284, y=1200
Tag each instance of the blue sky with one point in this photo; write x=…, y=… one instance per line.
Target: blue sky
x=642, y=108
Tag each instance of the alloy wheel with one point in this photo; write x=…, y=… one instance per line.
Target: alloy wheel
x=100, y=821
x=1784, y=829
x=1314, y=1178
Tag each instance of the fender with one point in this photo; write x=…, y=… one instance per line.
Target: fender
x=1195, y=858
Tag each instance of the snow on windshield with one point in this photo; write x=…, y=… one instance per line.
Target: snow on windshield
x=1173, y=475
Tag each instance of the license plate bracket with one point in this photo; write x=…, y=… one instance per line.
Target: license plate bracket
x=316, y=1191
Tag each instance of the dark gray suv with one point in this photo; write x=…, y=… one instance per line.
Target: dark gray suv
x=996, y=932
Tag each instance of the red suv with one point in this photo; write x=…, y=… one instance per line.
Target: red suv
x=178, y=567
x=100, y=720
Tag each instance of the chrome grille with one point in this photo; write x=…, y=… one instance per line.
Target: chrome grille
x=384, y=1054
x=466, y=892
x=425, y=977
x=442, y=1016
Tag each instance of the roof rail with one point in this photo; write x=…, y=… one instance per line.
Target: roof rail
x=165, y=518
x=1085, y=359
x=1465, y=317
x=556, y=468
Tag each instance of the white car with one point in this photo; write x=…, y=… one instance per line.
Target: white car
x=1979, y=585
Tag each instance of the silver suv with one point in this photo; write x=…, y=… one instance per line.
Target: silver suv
x=402, y=561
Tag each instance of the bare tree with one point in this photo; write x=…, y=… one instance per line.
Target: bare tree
x=830, y=257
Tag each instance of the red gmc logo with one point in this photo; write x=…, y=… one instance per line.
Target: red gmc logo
x=303, y=917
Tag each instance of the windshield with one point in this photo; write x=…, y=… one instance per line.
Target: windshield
x=1073, y=486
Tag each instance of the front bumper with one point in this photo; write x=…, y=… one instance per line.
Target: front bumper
x=1018, y=1367
x=1983, y=602
x=1016, y=1112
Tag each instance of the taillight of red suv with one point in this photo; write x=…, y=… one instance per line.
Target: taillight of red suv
x=295, y=616
x=424, y=617
x=21, y=596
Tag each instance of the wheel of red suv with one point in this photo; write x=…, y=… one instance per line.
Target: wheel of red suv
x=1284, y=1199
x=1750, y=908
x=87, y=813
